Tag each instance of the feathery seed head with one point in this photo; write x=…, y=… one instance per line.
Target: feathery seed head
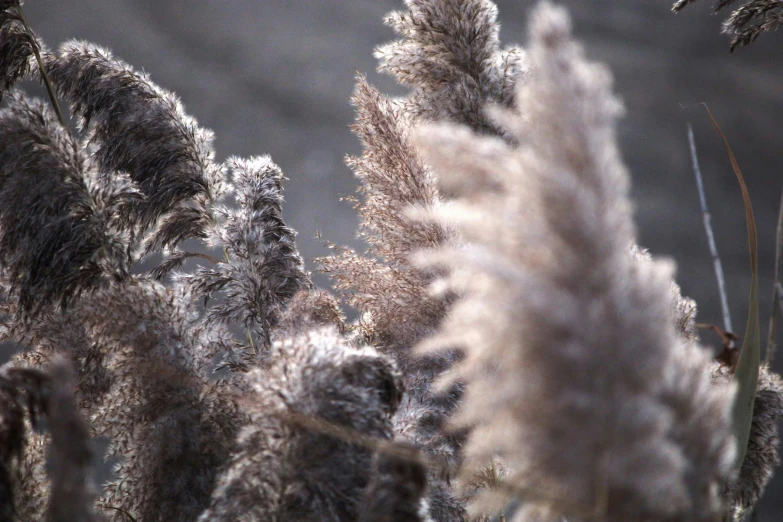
x=576, y=374
x=746, y=23
x=16, y=47
x=387, y=289
x=449, y=53
x=383, y=284
x=310, y=309
x=136, y=127
x=744, y=491
x=262, y=268
x=314, y=413
x=55, y=235
x=171, y=424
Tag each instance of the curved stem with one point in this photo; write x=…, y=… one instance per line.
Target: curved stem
x=41, y=68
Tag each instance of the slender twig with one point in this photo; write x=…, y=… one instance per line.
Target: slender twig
x=211, y=259
x=716, y=263
x=777, y=296
x=41, y=68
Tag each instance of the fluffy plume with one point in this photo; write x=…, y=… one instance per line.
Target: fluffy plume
x=450, y=55
x=588, y=395
x=309, y=308
x=576, y=375
x=56, y=238
x=31, y=498
x=748, y=22
x=16, y=47
x=382, y=285
x=172, y=426
x=743, y=492
x=62, y=331
x=314, y=415
x=262, y=268
x=57, y=331
x=391, y=295
x=134, y=126
x=684, y=308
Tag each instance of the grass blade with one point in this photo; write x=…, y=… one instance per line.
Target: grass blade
x=747, y=372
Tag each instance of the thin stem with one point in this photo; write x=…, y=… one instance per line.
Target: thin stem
x=208, y=257
x=278, y=517
x=121, y=511
x=249, y=336
x=41, y=68
x=716, y=263
x=777, y=296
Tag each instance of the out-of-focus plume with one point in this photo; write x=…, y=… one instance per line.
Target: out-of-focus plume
x=577, y=377
x=315, y=414
x=684, y=308
x=308, y=309
x=27, y=394
x=12, y=444
x=397, y=487
x=70, y=454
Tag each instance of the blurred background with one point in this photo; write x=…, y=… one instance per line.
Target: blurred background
x=275, y=78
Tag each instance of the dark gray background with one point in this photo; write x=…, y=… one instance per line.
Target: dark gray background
x=275, y=78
